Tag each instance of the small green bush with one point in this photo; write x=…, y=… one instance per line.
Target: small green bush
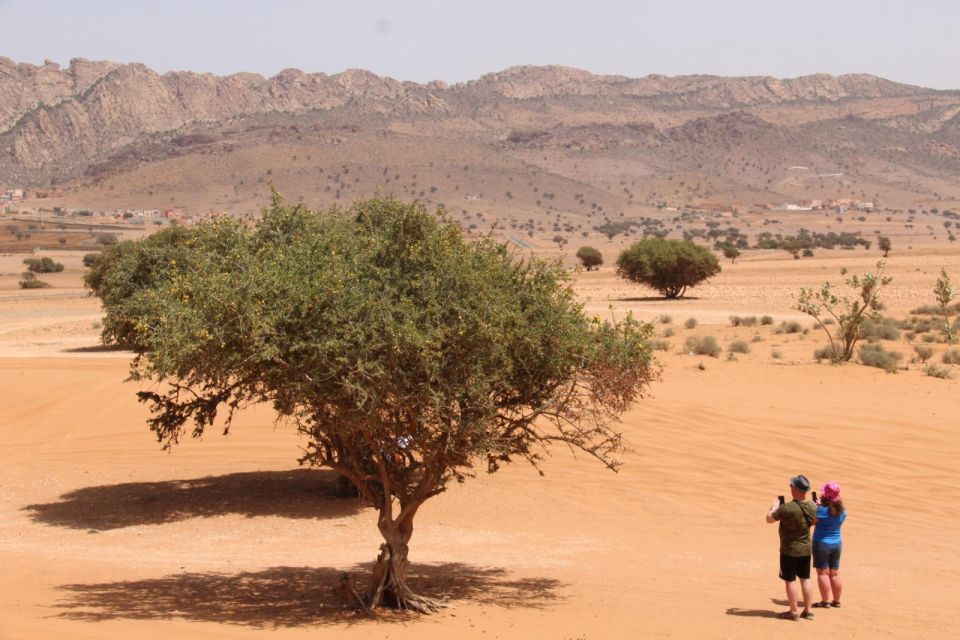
x=43, y=265
x=923, y=352
x=824, y=353
x=703, y=346
x=659, y=345
x=668, y=332
x=90, y=259
x=589, y=257
x=874, y=355
x=691, y=323
x=936, y=371
x=766, y=320
x=664, y=319
x=739, y=346
x=735, y=321
x=30, y=281
x=951, y=357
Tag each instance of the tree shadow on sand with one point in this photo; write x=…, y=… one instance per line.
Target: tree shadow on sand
x=287, y=596
x=297, y=493
x=656, y=299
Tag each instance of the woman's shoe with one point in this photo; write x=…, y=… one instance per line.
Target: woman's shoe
x=823, y=604
x=835, y=604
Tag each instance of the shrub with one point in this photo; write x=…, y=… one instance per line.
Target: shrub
x=735, y=321
x=106, y=239
x=936, y=371
x=739, y=346
x=669, y=266
x=807, y=253
x=30, y=281
x=668, y=332
x=589, y=257
x=874, y=355
x=664, y=319
x=749, y=321
x=659, y=345
x=880, y=329
x=43, y=265
x=757, y=338
x=776, y=354
x=923, y=352
x=951, y=357
x=703, y=346
x=823, y=353
x=791, y=326
x=691, y=323
x=766, y=320
x=90, y=259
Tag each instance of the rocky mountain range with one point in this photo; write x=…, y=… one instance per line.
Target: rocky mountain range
x=630, y=142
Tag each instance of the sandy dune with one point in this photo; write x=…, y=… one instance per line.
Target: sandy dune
x=102, y=535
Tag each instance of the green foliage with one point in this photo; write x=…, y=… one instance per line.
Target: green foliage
x=923, y=352
x=106, y=239
x=406, y=355
x=848, y=311
x=589, y=257
x=43, y=265
x=789, y=326
x=30, y=281
x=944, y=295
x=659, y=345
x=883, y=243
x=669, y=266
x=703, y=346
x=739, y=346
x=766, y=320
x=731, y=253
x=951, y=356
x=90, y=259
x=874, y=355
x=824, y=353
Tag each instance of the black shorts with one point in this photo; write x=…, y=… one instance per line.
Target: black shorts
x=792, y=567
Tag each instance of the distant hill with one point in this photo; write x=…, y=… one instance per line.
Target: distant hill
x=530, y=142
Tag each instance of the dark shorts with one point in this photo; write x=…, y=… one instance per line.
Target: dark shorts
x=826, y=556
x=792, y=568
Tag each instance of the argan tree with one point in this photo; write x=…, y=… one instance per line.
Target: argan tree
x=408, y=356
x=669, y=266
x=883, y=243
x=847, y=311
x=589, y=257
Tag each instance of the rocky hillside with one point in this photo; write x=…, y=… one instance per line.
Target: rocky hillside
x=722, y=138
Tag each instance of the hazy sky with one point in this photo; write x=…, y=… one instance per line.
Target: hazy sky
x=913, y=41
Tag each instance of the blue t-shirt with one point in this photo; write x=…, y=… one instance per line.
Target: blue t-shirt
x=828, y=526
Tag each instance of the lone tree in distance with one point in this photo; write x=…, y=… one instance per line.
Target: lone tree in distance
x=408, y=356
x=589, y=257
x=669, y=266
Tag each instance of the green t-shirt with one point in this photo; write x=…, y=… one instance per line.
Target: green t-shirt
x=795, y=519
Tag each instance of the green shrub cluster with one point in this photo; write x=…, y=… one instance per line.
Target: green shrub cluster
x=881, y=329
x=874, y=355
x=43, y=265
x=703, y=346
x=739, y=346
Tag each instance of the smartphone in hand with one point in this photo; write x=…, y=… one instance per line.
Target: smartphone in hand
x=814, y=497
x=780, y=498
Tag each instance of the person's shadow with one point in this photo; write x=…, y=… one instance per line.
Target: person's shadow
x=757, y=613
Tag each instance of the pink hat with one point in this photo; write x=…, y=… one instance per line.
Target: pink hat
x=831, y=491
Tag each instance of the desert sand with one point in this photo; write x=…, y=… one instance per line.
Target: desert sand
x=103, y=535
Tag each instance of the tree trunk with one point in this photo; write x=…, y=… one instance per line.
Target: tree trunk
x=388, y=585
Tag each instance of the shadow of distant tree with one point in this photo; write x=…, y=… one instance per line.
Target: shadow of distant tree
x=287, y=596
x=297, y=493
x=98, y=348
x=656, y=299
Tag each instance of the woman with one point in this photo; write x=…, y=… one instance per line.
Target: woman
x=827, y=545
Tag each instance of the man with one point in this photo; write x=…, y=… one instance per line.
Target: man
x=795, y=518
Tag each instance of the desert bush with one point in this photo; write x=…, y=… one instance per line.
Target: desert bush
x=735, y=321
x=789, y=326
x=691, y=323
x=951, y=356
x=766, y=320
x=807, y=253
x=929, y=338
x=664, y=319
x=30, y=281
x=106, y=239
x=703, y=346
x=668, y=332
x=669, y=266
x=923, y=352
x=848, y=311
x=757, y=338
x=823, y=353
x=880, y=329
x=874, y=355
x=659, y=345
x=776, y=354
x=589, y=257
x=90, y=259
x=43, y=265
x=936, y=371
x=748, y=321
x=739, y=346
